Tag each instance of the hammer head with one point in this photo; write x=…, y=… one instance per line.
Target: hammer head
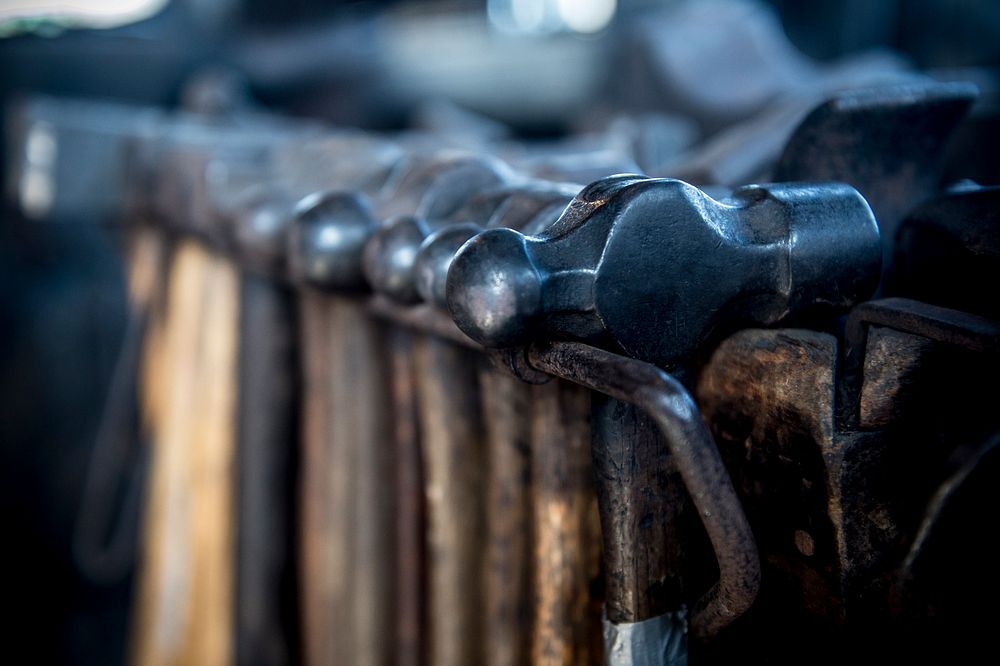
x=658, y=267
x=434, y=259
x=528, y=207
x=494, y=289
x=259, y=226
x=418, y=201
x=326, y=240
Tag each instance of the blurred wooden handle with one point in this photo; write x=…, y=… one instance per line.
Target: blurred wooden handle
x=185, y=582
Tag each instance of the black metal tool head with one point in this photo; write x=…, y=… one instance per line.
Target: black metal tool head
x=327, y=238
x=888, y=142
x=659, y=267
x=430, y=267
x=414, y=204
x=389, y=257
x=309, y=226
x=445, y=235
x=947, y=251
x=435, y=186
x=529, y=208
x=259, y=226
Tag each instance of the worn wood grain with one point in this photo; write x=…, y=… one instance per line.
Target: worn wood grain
x=316, y=585
x=448, y=403
x=506, y=405
x=185, y=583
x=641, y=497
x=362, y=429
x=265, y=590
x=768, y=396
x=411, y=556
x=892, y=368
x=348, y=478
x=565, y=526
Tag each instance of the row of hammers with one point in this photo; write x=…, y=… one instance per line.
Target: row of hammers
x=408, y=404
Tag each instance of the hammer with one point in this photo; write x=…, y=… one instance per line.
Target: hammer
x=327, y=245
x=657, y=268
x=420, y=201
x=529, y=207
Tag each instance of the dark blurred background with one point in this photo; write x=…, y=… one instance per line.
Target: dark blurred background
x=542, y=68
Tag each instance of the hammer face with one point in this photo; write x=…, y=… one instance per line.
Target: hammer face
x=326, y=241
x=494, y=290
x=529, y=207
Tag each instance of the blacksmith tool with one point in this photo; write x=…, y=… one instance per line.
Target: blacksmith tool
x=658, y=268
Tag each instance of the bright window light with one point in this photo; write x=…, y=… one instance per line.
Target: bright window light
x=89, y=13
x=586, y=15
x=532, y=17
x=528, y=15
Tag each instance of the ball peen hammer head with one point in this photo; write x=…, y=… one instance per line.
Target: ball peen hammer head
x=326, y=240
x=660, y=268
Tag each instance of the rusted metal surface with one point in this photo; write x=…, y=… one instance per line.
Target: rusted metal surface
x=697, y=459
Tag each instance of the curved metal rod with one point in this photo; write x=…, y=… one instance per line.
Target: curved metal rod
x=697, y=458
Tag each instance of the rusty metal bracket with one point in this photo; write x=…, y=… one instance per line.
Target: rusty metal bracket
x=697, y=458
